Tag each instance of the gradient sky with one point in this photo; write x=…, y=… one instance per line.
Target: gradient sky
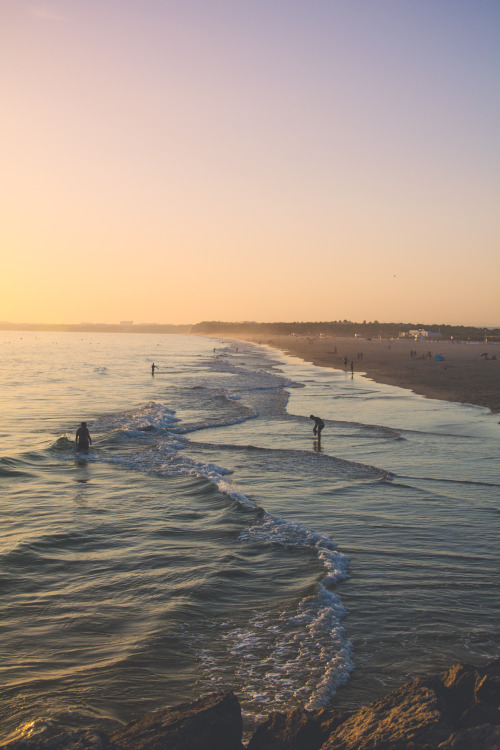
x=173, y=161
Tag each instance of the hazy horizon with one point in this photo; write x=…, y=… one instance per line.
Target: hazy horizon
x=125, y=324
x=251, y=161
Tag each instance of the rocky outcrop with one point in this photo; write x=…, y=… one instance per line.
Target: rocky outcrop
x=210, y=723
x=297, y=729
x=459, y=710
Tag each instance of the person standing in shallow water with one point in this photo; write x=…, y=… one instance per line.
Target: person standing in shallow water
x=83, y=439
x=318, y=426
x=154, y=367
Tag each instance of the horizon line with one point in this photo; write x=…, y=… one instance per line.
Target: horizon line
x=4, y=324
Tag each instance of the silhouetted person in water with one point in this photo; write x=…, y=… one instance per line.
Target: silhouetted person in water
x=352, y=368
x=153, y=368
x=83, y=439
x=318, y=426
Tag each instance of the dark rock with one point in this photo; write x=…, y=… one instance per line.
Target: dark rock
x=409, y=717
x=477, y=738
x=473, y=695
x=457, y=711
x=425, y=714
x=296, y=730
x=210, y=723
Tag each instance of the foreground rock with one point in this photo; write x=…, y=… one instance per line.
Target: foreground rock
x=211, y=723
x=428, y=713
x=459, y=710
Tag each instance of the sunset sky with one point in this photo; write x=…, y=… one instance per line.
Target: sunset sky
x=173, y=161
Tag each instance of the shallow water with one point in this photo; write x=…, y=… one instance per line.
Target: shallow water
x=204, y=541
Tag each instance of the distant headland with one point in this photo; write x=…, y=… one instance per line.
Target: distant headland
x=349, y=329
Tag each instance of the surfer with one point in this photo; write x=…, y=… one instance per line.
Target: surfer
x=153, y=368
x=83, y=439
x=318, y=426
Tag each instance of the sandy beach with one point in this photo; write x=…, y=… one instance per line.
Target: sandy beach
x=463, y=376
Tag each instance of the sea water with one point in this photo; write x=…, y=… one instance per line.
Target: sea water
x=206, y=541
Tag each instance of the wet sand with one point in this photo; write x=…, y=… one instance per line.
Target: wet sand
x=463, y=376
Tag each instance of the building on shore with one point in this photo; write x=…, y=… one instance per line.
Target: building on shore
x=419, y=334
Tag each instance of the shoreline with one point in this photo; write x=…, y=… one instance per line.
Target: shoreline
x=462, y=377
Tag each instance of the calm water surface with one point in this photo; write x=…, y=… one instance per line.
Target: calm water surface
x=205, y=542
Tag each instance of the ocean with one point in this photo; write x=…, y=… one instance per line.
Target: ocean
x=206, y=541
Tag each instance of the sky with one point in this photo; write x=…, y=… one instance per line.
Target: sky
x=174, y=161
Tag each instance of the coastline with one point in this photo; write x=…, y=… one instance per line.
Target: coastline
x=463, y=376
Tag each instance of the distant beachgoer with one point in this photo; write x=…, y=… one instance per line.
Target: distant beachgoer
x=345, y=361
x=153, y=368
x=83, y=439
x=318, y=425
x=352, y=367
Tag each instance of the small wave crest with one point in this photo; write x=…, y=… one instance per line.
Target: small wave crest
x=213, y=422
x=256, y=379
x=294, y=654
x=165, y=460
x=275, y=530
x=150, y=416
x=64, y=443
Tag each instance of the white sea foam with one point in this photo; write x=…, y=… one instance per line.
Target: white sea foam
x=300, y=654
x=150, y=415
x=272, y=529
x=284, y=657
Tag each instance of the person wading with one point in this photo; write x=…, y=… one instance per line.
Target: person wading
x=83, y=439
x=318, y=426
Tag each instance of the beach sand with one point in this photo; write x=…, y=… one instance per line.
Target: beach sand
x=463, y=376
